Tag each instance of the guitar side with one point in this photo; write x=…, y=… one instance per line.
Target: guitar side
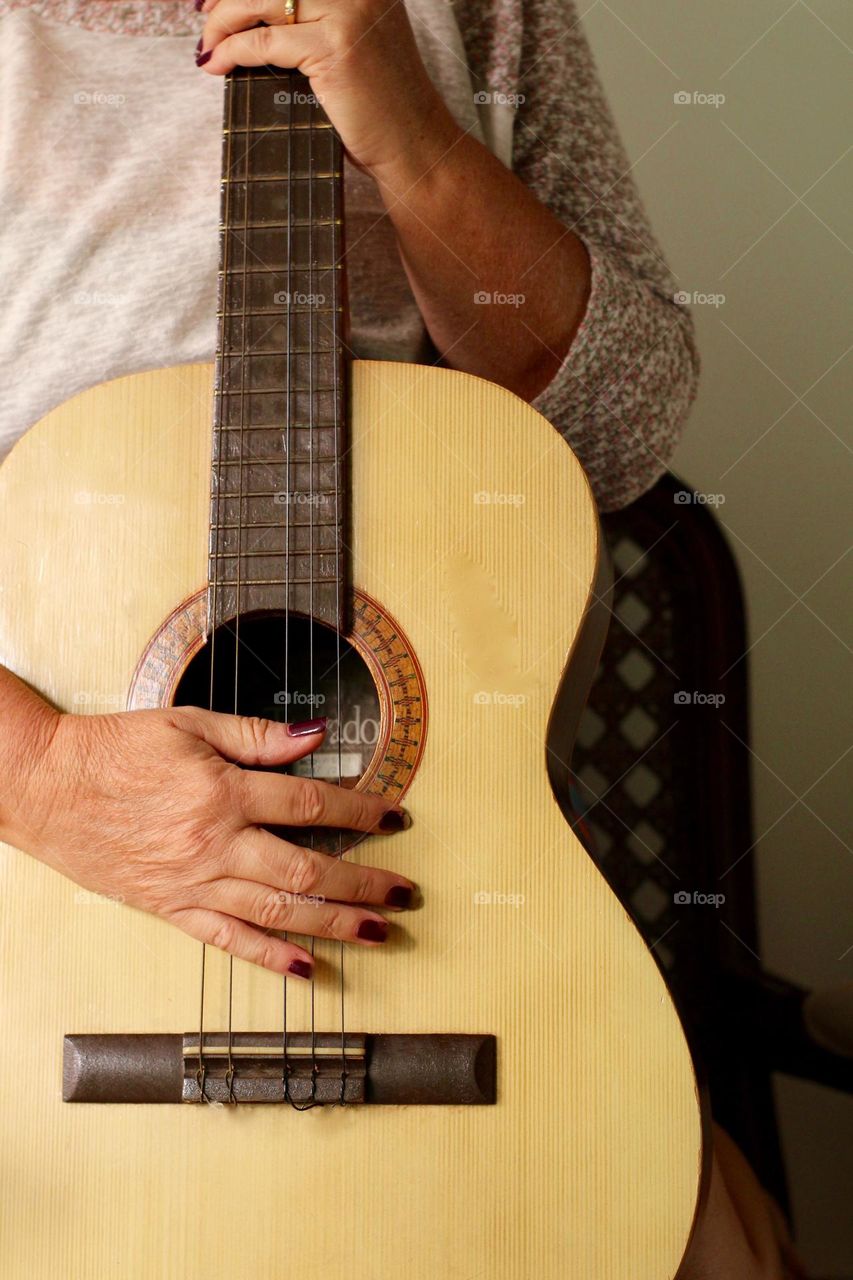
x=473, y=525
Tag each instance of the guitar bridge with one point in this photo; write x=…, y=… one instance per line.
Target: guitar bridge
x=301, y=1068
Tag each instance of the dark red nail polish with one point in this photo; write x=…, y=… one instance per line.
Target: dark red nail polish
x=394, y=820
x=198, y=47
x=202, y=58
x=301, y=968
x=301, y=727
x=399, y=897
x=372, y=931
x=198, y=5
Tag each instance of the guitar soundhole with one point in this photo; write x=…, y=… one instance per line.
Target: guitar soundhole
x=292, y=669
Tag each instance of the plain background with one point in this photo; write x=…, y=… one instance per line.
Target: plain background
x=751, y=199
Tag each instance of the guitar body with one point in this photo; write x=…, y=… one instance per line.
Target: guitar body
x=589, y=1165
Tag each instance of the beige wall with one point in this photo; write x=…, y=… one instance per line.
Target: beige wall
x=751, y=199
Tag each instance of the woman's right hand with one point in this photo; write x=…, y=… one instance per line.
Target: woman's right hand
x=152, y=808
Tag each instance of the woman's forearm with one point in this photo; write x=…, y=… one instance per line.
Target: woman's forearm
x=501, y=283
x=467, y=228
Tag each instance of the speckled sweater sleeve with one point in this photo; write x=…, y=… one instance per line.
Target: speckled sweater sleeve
x=622, y=394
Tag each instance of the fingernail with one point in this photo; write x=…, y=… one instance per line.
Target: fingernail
x=301, y=727
x=300, y=968
x=198, y=47
x=372, y=931
x=199, y=5
x=400, y=897
x=395, y=820
x=202, y=58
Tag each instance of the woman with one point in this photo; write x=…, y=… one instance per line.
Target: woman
x=480, y=146
x=110, y=192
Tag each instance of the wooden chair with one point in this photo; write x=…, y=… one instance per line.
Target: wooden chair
x=661, y=775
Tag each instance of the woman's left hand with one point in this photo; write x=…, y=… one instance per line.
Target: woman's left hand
x=361, y=59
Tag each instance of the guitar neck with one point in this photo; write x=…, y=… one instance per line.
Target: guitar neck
x=278, y=493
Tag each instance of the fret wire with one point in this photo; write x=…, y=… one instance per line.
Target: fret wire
x=279, y=460
x=314, y=579
x=282, y=128
x=277, y=271
x=281, y=311
x=276, y=426
x=281, y=226
x=278, y=351
x=272, y=555
x=269, y=493
x=276, y=391
x=279, y=177
x=282, y=79
x=276, y=524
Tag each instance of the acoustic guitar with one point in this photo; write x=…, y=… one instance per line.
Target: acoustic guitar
x=504, y=1091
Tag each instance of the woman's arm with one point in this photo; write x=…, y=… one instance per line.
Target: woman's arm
x=622, y=396
x=740, y=1234
x=501, y=284
x=598, y=343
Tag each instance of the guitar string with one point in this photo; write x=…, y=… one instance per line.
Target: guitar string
x=291, y=142
x=312, y=319
x=246, y=80
x=337, y=268
x=285, y=1080
x=217, y=486
x=311, y=453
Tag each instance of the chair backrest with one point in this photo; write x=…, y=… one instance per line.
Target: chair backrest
x=661, y=764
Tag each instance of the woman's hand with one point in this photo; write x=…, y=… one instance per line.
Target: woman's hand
x=449, y=199
x=146, y=807
x=361, y=59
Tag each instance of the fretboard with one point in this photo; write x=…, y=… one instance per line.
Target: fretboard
x=278, y=494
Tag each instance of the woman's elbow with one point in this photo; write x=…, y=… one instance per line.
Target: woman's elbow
x=629, y=438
